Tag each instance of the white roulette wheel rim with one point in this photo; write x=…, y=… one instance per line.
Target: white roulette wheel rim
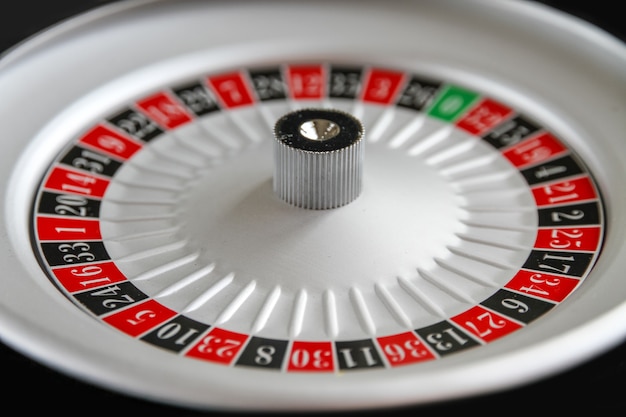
x=137, y=49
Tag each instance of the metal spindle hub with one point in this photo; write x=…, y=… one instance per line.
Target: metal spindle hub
x=318, y=158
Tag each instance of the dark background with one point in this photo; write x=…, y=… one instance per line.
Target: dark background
x=598, y=385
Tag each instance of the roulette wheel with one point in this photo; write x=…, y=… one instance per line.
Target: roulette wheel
x=151, y=252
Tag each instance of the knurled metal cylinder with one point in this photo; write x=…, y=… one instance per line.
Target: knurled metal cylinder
x=318, y=158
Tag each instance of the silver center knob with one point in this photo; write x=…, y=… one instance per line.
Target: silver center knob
x=319, y=129
x=318, y=158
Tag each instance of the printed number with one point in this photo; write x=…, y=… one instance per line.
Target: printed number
x=112, y=302
x=573, y=215
x=86, y=271
x=83, y=182
x=90, y=271
x=223, y=348
x=398, y=353
x=196, y=99
x=344, y=84
x=91, y=161
x=231, y=89
x=308, y=85
x=268, y=87
x=71, y=205
x=137, y=125
x=174, y=330
x=570, y=238
x=416, y=95
x=563, y=268
x=302, y=358
x=513, y=304
x=510, y=133
x=437, y=339
x=563, y=188
x=539, y=280
x=487, y=319
x=351, y=362
x=60, y=230
x=451, y=104
x=80, y=254
x=483, y=118
x=264, y=355
x=547, y=171
x=112, y=144
x=533, y=151
x=141, y=317
x=381, y=88
x=163, y=112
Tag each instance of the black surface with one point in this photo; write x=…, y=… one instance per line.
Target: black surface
x=287, y=130
x=29, y=387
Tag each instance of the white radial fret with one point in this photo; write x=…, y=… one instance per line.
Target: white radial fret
x=269, y=304
x=206, y=295
x=297, y=315
x=419, y=296
x=441, y=283
x=363, y=314
x=186, y=280
x=426, y=144
x=454, y=150
x=393, y=306
x=464, y=273
x=169, y=266
x=152, y=252
x=330, y=314
x=381, y=125
x=411, y=129
x=236, y=303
